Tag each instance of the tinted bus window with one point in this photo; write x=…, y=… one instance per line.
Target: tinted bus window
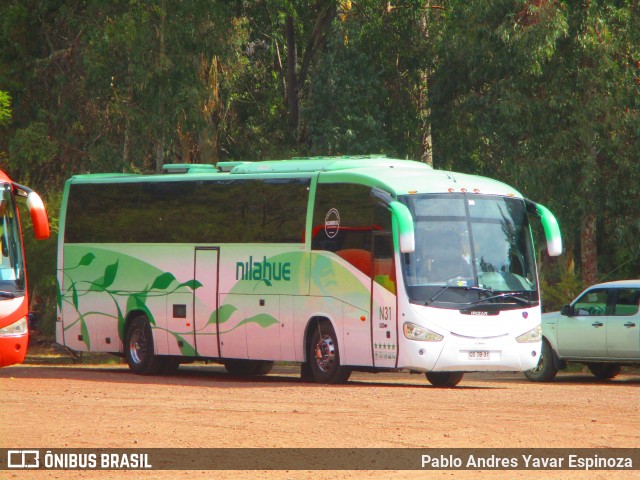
x=342, y=217
x=261, y=211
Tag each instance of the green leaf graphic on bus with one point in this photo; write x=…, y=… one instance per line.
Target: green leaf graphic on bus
x=85, y=333
x=87, y=260
x=163, y=281
x=262, y=319
x=74, y=296
x=107, y=279
x=138, y=302
x=115, y=281
x=192, y=284
x=222, y=314
x=186, y=348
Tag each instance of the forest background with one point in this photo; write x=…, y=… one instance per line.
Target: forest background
x=541, y=94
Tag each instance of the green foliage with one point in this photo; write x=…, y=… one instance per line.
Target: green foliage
x=41, y=263
x=544, y=95
x=369, y=88
x=540, y=94
x=30, y=148
x=566, y=287
x=5, y=108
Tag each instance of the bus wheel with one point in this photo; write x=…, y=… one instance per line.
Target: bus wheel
x=546, y=369
x=604, y=371
x=170, y=365
x=248, y=368
x=138, y=350
x=324, y=356
x=444, y=379
x=306, y=375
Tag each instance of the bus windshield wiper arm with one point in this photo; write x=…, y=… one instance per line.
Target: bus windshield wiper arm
x=515, y=296
x=447, y=287
x=5, y=294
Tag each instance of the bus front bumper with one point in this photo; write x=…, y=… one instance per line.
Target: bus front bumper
x=454, y=355
x=13, y=349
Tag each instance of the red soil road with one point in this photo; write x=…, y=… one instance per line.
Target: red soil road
x=200, y=406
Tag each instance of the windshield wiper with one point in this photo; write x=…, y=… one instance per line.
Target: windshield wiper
x=515, y=296
x=447, y=287
x=5, y=294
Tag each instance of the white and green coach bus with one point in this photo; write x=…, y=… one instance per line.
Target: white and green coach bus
x=339, y=264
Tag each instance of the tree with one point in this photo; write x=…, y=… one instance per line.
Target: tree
x=368, y=93
x=5, y=108
x=545, y=96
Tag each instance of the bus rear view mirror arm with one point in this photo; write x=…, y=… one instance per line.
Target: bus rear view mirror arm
x=36, y=209
x=550, y=226
x=406, y=233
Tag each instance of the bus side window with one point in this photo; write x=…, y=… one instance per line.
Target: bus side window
x=384, y=270
x=342, y=223
x=359, y=258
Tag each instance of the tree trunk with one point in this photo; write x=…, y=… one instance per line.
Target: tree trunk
x=160, y=141
x=426, y=144
x=292, y=77
x=159, y=154
x=589, y=255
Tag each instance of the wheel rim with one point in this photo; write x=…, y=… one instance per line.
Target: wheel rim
x=138, y=346
x=325, y=354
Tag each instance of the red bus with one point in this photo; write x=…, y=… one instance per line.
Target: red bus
x=14, y=301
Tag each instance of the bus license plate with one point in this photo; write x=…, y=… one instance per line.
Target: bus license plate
x=479, y=355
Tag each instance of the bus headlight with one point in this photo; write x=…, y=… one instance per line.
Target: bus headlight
x=415, y=332
x=16, y=328
x=533, y=335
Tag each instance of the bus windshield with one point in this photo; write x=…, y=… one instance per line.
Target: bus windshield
x=12, y=281
x=471, y=251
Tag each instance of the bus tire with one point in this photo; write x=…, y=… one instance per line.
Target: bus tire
x=247, y=368
x=324, y=356
x=170, y=365
x=604, y=371
x=306, y=375
x=138, y=349
x=546, y=369
x=444, y=379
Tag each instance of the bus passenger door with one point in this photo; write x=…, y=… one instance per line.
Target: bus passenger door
x=205, y=301
x=384, y=334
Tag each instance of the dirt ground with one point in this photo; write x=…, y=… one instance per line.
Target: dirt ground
x=105, y=406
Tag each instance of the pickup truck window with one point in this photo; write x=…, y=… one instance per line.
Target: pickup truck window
x=627, y=301
x=594, y=302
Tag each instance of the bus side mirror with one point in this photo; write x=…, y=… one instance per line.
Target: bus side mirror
x=38, y=216
x=550, y=226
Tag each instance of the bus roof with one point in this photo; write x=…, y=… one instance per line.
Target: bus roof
x=398, y=177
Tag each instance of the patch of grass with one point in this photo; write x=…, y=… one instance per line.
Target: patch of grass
x=45, y=352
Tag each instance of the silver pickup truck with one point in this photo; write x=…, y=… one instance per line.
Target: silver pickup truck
x=600, y=328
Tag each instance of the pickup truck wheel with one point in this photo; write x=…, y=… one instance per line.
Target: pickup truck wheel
x=604, y=371
x=546, y=369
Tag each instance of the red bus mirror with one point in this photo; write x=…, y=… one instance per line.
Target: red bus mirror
x=38, y=216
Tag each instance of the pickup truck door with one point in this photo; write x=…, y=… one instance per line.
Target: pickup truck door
x=584, y=334
x=623, y=327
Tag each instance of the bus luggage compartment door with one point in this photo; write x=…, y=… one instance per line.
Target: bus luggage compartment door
x=205, y=301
